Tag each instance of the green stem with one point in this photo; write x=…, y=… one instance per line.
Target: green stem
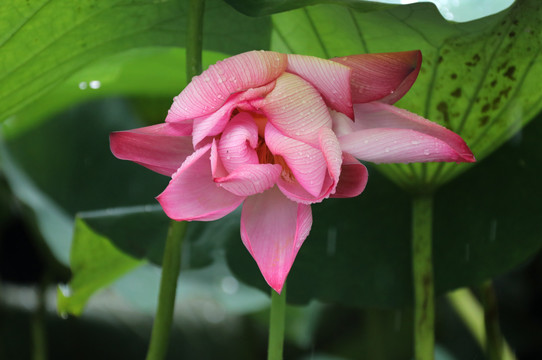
x=194, y=38
x=495, y=342
x=470, y=311
x=422, y=271
x=171, y=266
x=276, y=325
x=39, y=339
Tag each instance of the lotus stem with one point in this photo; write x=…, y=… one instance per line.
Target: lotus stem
x=194, y=38
x=171, y=266
x=39, y=337
x=422, y=271
x=276, y=325
x=475, y=319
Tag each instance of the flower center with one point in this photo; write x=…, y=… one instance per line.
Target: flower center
x=265, y=156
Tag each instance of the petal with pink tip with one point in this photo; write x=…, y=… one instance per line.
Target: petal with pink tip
x=306, y=163
x=161, y=148
x=383, y=134
x=330, y=78
x=210, y=90
x=385, y=77
x=250, y=179
x=354, y=176
x=238, y=142
x=193, y=195
x=296, y=109
x=273, y=229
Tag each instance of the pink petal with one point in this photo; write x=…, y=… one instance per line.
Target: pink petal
x=331, y=148
x=330, y=78
x=210, y=90
x=213, y=124
x=354, y=176
x=383, y=133
x=296, y=109
x=193, y=195
x=238, y=142
x=250, y=179
x=273, y=229
x=307, y=163
x=385, y=77
x=161, y=148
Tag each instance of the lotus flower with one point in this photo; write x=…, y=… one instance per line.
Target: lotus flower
x=277, y=133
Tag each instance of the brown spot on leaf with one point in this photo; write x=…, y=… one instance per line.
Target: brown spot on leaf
x=474, y=61
x=493, y=83
x=456, y=93
x=483, y=120
x=486, y=108
x=510, y=73
x=511, y=34
x=453, y=76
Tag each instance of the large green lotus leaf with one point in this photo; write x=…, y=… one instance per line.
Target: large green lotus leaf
x=267, y=7
x=479, y=79
x=64, y=166
x=358, y=252
x=43, y=42
x=141, y=232
x=95, y=263
x=152, y=72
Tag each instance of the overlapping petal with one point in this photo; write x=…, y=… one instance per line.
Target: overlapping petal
x=193, y=195
x=296, y=109
x=273, y=229
x=250, y=179
x=354, y=176
x=385, y=77
x=331, y=79
x=306, y=163
x=207, y=92
x=383, y=134
x=238, y=142
x=161, y=148
x=213, y=124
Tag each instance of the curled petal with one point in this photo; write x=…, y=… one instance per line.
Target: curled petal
x=296, y=109
x=250, y=179
x=273, y=237
x=354, y=176
x=210, y=90
x=161, y=148
x=238, y=141
x=385, y=77
x=193, y=195
x=214, y=124
x=383, y=133
x=306, y=163
x=330, y=78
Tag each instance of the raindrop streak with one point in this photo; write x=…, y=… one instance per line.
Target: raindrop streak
x=493, y=230
x=331, y=241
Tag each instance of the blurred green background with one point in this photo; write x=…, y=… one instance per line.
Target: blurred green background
x=82, y=235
